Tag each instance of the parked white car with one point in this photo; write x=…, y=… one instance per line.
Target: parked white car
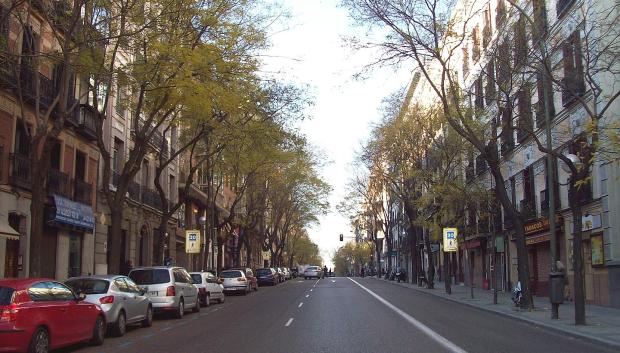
x=209, y=287
x=170, y=289
x=235, y=281
x=120, y=299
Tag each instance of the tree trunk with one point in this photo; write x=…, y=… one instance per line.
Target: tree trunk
x=377, y=256
x=430, y=278
x=523, y=267
x=388, y=241
x=163, y=229
x=114, y=239
x=578, y=283
x=37, y=210
x=447, y=280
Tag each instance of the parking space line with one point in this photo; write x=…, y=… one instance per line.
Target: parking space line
x=300, y=304
x=288, y=323
x=125, y=344
x=420, y=326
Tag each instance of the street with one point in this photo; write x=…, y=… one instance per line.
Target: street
x=340, y=315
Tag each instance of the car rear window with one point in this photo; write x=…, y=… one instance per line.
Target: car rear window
x=263, y=271
x=154, y=276
x=313, y=268
x=6, y=295
x=89, y=285
x=197, y=278
x=231, y=274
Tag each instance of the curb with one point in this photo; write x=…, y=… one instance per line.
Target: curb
x=591, y=338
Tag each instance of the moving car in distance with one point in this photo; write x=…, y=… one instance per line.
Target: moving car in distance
x=313, y=272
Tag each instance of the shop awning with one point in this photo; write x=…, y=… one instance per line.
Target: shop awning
x=6, y=231
x=73, y=214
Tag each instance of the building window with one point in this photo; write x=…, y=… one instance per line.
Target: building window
x=4, y=28
x=500, y=14
x=486, y=31
x=544, y=88
x=573, y=85
x=490, y=86
x=465, y=61
x=120, y=100
x=479, y=93
x=520, y=43
x=562, y=7
x=507, y=136
x=540, y=19
x=525, y=114
x=475, y=49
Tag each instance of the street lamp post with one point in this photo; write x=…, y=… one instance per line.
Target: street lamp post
x=203, y=223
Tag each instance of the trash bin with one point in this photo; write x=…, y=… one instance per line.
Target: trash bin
x=556, y=287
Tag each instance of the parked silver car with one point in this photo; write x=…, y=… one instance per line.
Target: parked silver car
x=235, y=281
x=209, y=287
x=120, y=299
x=170, y=289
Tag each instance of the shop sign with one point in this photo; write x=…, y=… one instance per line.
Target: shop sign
x=536, y=227
x=450, y=243
x=73, y=214
x=589, y=222
x=472, y=244
x=192, y=241
x=537, y=239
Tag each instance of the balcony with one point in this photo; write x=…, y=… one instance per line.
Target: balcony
x=469, y=173
x=527, y=209
x=29, y=78
x=133, y=189
x=87, y=118
x=58, y=183
x=83, y=191
x=572, y=87
x=481, y=165
x=507, y=146
x=7, y=73
x=151, y=198
x=20, y=170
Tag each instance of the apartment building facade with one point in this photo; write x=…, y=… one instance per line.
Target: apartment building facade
x=499, y=41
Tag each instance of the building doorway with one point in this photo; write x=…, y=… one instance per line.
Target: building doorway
x=75, y=255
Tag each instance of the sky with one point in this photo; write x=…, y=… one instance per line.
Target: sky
x=307, y=48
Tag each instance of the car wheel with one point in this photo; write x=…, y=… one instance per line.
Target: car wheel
x=148, y=320
x=40, y=341
x=207, y=300
x=98, y=332
x=256, y=288
x=196, y=307
x=120, y=326
x=180, y=310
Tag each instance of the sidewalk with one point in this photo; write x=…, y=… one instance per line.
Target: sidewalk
x=603, y=323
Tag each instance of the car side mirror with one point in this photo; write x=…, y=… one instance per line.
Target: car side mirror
x=142, y=291
x=81, y=296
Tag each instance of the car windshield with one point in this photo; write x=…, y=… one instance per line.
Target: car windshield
x=153, y=276
x=231, y=274
x=196, y=277
x=6, y=295
x=88, y=285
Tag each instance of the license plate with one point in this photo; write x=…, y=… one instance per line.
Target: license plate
x=153, y=294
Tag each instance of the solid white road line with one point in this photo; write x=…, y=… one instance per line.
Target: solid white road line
x=420, y=326
x=288, y=323
x=300, y=304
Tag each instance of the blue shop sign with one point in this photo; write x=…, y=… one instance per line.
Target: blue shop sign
x=73, y=213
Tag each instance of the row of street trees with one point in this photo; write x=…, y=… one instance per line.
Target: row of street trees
x=520, y=55
x=187, y=69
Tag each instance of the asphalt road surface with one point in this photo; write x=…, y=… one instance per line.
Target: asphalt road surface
x=340, y=315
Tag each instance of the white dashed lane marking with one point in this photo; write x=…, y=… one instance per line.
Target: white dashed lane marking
x=288, y=323
x=300, y=304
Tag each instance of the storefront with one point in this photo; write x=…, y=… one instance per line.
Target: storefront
x=68, y=231
x=473, y=260
x=537, y=241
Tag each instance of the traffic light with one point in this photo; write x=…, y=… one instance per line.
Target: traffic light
x=341, y=237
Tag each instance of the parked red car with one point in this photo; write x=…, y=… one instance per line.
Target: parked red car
x=40, y=314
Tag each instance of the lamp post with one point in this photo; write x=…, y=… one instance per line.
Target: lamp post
x=203, y=223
